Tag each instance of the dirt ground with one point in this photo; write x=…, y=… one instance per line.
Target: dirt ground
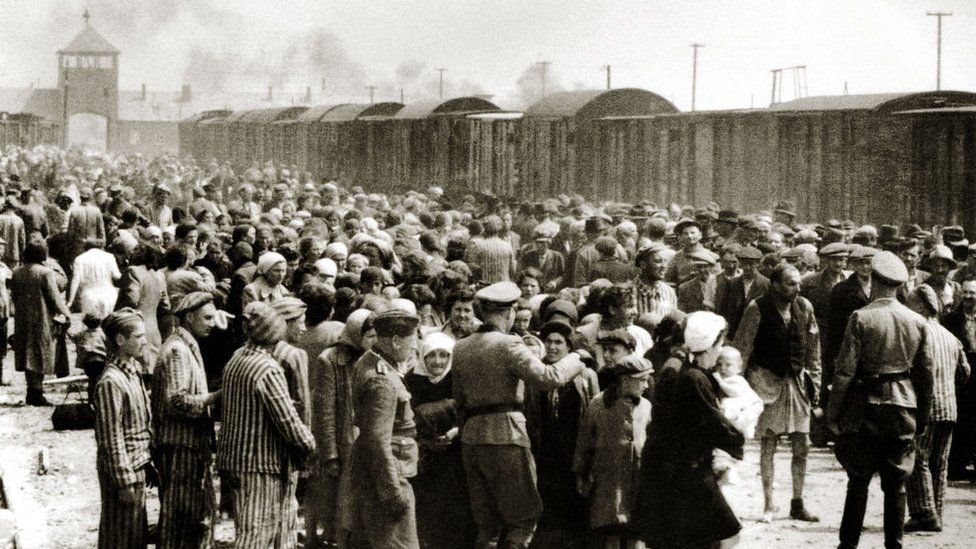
x=62, y=506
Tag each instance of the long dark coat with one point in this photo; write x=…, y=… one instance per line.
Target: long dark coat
x=680, y=503
x=37, y=300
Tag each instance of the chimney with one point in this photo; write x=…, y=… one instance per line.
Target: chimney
x=270, y=95
x=187, y=94
x=142, y=96
x=308, y=94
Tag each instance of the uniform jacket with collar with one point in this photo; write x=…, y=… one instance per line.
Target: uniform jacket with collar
x=731, y=298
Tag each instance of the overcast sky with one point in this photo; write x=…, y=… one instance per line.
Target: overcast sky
x=490, y=46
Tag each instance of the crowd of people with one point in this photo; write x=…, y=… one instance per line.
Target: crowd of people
x=446, y=370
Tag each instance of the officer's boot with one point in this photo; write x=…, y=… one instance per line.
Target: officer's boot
x=855, y=506
x=894, y=518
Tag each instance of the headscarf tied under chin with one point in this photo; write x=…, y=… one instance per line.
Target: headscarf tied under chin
x=267, y=260
x=435, y=341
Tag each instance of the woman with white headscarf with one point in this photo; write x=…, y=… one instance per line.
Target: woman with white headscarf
x=269, y=276
x=443, y=517
x=680, y=503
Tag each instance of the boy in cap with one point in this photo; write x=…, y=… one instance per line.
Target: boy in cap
x=880, y=400
x=491, y=368
x=608, y=449
x=691, y=294
x=384, y=456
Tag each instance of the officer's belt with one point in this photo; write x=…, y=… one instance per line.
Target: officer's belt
x=492, y=409
x=884, y=378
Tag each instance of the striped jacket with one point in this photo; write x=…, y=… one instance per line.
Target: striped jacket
x=122, y=422
x=948, y=364
x=496, y=259
x=295, y=363
x=180, y=417
x=260, y=427
x=658, y=298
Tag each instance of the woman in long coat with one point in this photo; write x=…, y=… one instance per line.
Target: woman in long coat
x=37, y=301
x=144, y=289
x=330, y=384
x=680, y=505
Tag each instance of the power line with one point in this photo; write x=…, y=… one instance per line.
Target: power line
x=694, y=72
x=938, y=48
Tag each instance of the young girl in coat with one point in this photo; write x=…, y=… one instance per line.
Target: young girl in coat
x=608, y=450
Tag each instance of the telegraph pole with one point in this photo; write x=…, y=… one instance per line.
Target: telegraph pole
x=938, y=48
x=694, y=72
x=371, y=89
x=440, y=86
x=401, y=96
x=608, y=68
x=545, y=65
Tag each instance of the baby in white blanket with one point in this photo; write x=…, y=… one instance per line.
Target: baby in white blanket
x=740, y=404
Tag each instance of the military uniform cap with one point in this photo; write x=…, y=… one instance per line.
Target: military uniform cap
x=192, y=301
x=395, y=322
x=499, y=295
x=864, y=252
x=835, y=249
x=702, y=257
x=749, y=252
x=889, y=267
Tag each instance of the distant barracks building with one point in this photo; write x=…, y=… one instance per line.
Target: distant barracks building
x=88, y=108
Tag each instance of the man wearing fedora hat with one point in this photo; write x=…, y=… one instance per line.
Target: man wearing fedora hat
x=682, y=267
x=785, y=212
x=939, y=263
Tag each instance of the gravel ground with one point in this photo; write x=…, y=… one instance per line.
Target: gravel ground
x=67, y=497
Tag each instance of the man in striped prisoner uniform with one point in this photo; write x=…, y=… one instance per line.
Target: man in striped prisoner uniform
x=926, y=485
x=291, y=358
x=123, y=435
x=184, y=430
x=262, y=435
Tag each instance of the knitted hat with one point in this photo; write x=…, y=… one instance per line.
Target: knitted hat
x=264, y=324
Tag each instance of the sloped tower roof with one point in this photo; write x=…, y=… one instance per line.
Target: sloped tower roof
x=88, y=41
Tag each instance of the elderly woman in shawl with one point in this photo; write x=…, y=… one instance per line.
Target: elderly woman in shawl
x=443, y=517
x=330, y=384
x=269, y=276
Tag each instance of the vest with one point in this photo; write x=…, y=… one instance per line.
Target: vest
x=779, y=348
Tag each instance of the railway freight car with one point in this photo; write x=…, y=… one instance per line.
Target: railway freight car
x=27, y=130
x=558, y=138
x=844, y=156
x=260, y=132
x=292, y=137
x=493, y=157
x=192, y=138
x=430, y=144
x=342, y=146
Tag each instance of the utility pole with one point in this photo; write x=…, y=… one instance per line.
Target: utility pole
x=371, y=90
x=608, y=68
x=545, y=65
x=401, y=96
x=694, y=72
x=938, y=48
x=440, y=86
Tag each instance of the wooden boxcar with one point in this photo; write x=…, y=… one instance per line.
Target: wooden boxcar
x=431, y=143
x=559, y=138
x=846, y=156
x=193, y=140
x=261, y=132
x=341, y=142
x=294, y=138
x=493, y=157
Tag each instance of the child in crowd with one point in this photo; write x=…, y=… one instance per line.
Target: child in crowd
x=608, y=450
x=90, y=346
x=741, y=405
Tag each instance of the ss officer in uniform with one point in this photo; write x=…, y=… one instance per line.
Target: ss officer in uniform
x=385, y=454
x=491, y=368
x=881, y=396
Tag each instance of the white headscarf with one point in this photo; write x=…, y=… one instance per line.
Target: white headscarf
x=432, y=342
x=267, y=260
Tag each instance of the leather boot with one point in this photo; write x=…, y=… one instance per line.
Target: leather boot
x=894, y=519
x=799, y=512
x=855, y=506
x=36, y=398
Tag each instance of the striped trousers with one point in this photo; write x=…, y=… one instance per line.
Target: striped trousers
x=926, y=486
x=122, y=525
x=265, y=510
x=187, y=501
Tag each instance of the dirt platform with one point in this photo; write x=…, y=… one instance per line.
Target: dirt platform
x=67, y=505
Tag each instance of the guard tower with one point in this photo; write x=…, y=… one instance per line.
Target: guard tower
x=88, y=79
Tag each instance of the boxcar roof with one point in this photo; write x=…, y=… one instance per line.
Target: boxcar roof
x=355, y=111
x=500, y=115
x=882, y=102
x=264, y=116
x=314, y=113
x=600, y=103
x=206, y=115
x=455, y=106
